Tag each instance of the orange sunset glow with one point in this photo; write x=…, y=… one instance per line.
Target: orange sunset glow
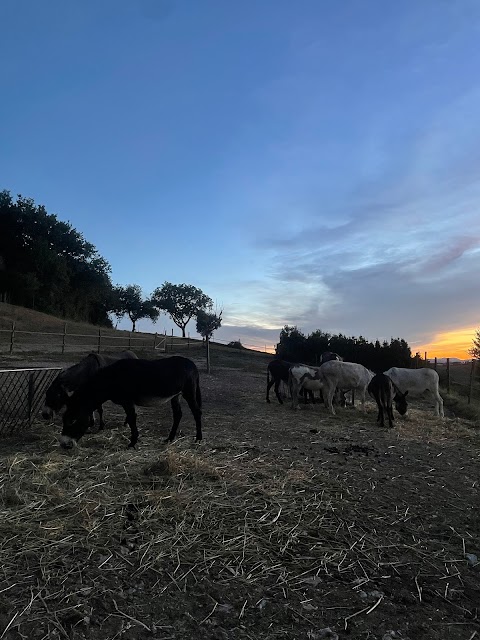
x=450, y=344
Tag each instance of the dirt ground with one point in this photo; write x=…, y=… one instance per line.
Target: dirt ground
x=282, y=524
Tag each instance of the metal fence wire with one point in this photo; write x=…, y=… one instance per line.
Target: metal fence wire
x=22, y=393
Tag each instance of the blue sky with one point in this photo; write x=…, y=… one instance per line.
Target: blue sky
x=309, y=163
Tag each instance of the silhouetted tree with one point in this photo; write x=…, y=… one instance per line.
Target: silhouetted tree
x=182, y=302
x=474, y=350
x=295, y=347
x=49, y=265
x=207, y=323
x=317, y=343
x=130, y=302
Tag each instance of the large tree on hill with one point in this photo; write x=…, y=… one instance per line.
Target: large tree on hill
x=182, y=302
x=130, y=302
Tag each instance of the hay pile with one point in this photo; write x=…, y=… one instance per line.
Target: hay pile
x=240, y=539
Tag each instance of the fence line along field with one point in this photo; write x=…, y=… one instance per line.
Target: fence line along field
x=282, y=524
x=36, y=332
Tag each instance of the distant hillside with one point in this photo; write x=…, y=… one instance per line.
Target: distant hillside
x=31, y=320
x=49, y=347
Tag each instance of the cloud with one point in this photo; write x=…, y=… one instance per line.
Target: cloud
x=445, y=257
x=271, y=303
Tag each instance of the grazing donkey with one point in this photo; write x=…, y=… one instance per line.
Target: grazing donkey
x=70, y=379
x=279, y=371
x=135, y=382
x=416, y=382
x=386, y=393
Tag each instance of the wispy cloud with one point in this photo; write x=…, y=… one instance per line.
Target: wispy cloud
x=398, y=253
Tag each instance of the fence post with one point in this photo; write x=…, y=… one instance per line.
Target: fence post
x=129, y=339
x=12, y=336
x=154, y=340
x=448, y=375
x=208, y=354
x=435, y=363
x=31, y=396
x=63, y=337
x=99, y=340
x=425, y=358
x=188, y=340
x=470, y=389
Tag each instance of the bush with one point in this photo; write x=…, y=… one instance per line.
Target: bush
x=235, y=344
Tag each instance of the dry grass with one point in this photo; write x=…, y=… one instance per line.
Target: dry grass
x=255, y=534
x=31, y=320
x=283, y=524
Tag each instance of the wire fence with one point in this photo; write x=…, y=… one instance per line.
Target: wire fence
x=19, y=340
x=16, y=340
x=22, y=392
x=462, y=377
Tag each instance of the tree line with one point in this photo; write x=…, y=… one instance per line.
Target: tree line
x=295, y=346
x=46, y=264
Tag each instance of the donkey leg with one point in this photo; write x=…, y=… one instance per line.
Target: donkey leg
x=277, y=393
x=197, y=413
x=390, y=417
x=177, y=416
x=131, y=419
x=270, y=384
x=100, y=415
x=381, y=416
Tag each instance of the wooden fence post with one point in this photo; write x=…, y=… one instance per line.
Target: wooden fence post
x=12, y=336
x=208, y=354
x=470, y=389
x=129, y=339
x=63, y=337
x=31, y=396
x=154, y=340
x=435, y=363
x=425, y=358
x=99, y=340
x=448, y=375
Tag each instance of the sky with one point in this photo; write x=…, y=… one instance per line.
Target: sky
x=305, y=163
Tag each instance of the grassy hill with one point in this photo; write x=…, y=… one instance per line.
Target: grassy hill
x=40, y=335
x=31, y=320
